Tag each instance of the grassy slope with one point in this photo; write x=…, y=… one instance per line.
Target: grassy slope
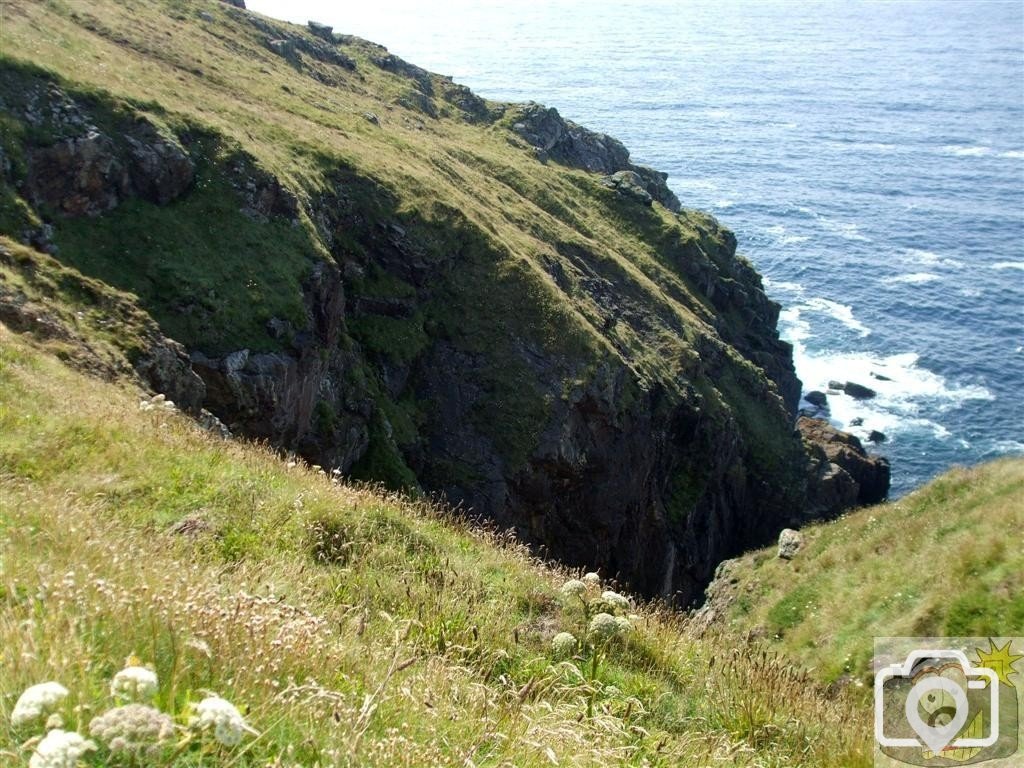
x=944, y=561
x=311, y=596
x=181, y=70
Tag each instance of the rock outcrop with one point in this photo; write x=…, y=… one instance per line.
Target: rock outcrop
x=625, y=407
x=841, y=473
x=566, y=142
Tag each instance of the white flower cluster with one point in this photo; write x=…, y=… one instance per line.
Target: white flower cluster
x=603, y=627
x=134, y=683
x=60, y=749
x=614, y=601
x=37, y=701
x=157, y=403
x=563, y=645
x=574, y=588
x=224, y=718
x=133, y=730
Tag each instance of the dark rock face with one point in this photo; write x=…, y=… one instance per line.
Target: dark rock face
x=653, y=478
x=841, y=473
x=89, y=172
x=296, y=399
x=235, y=3
x=629, y=185
x=570, y=144
x=79, y=176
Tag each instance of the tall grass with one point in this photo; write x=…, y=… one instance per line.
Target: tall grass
x=351, y=627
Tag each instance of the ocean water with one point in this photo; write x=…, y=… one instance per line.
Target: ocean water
x=869, y=157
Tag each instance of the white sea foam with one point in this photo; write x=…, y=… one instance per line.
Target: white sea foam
x=915, y=277
x=782, y=237
x=862, y=146
x=962, y=150
x=1008, y=265
x=929, y=258
x=1005, y=447
x=901, y=385
x=841, y=312
x=783, y=285
x=724, y=203
x=845, y=229
x=1016, y=154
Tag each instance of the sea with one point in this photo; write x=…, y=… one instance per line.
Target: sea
x=869, y=157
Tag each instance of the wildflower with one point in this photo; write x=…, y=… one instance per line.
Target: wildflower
x=56, y=720
x=36, y=701
x=60, y=749
x=563, y=644
x=134, y=683
x=615, y=601
x=624, y=624
x=225, y=719
x=603, y=626
x=592, y=579
x=134, y=729
x=574, y=588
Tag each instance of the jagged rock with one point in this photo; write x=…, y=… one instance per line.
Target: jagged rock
x=833, y=455
x=161, y=171
x=790, y=542
x=629, y=185
x=371, y=118
x=322, y=31
x=570, y=144
x=858, y=391
x=876, y=437
x=879, y=376
x=857, y=421
x=212, y=424
x=80, y=176
x=236, y=3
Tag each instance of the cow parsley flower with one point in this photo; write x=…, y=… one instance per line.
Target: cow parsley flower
x=615, y=601
x=133, y=730
x=625, y=625
x=224, y=718
x=603, y=626
x=37, y=701
x=563, y=645
x=60, y=749
x=592, y=579
x=574, y=588
x=134, y=683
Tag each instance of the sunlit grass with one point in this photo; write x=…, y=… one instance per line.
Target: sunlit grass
x=349, y=626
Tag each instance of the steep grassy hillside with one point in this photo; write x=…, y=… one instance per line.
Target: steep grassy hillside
x=350, y=627
x=944, y=561
x=371, y=266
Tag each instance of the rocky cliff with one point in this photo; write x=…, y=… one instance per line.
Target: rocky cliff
x=371, y=266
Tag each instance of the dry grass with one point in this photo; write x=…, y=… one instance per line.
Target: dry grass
x=945, y=560
x=351, y=627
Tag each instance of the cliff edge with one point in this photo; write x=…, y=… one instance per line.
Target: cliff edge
x=367, y=264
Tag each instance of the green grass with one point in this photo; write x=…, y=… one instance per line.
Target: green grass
x=513, y=258
x=943, y=561
x=351, y=626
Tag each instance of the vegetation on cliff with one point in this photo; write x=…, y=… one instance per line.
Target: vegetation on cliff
x=348, y=626
x=943, y=561
x=371, y=266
